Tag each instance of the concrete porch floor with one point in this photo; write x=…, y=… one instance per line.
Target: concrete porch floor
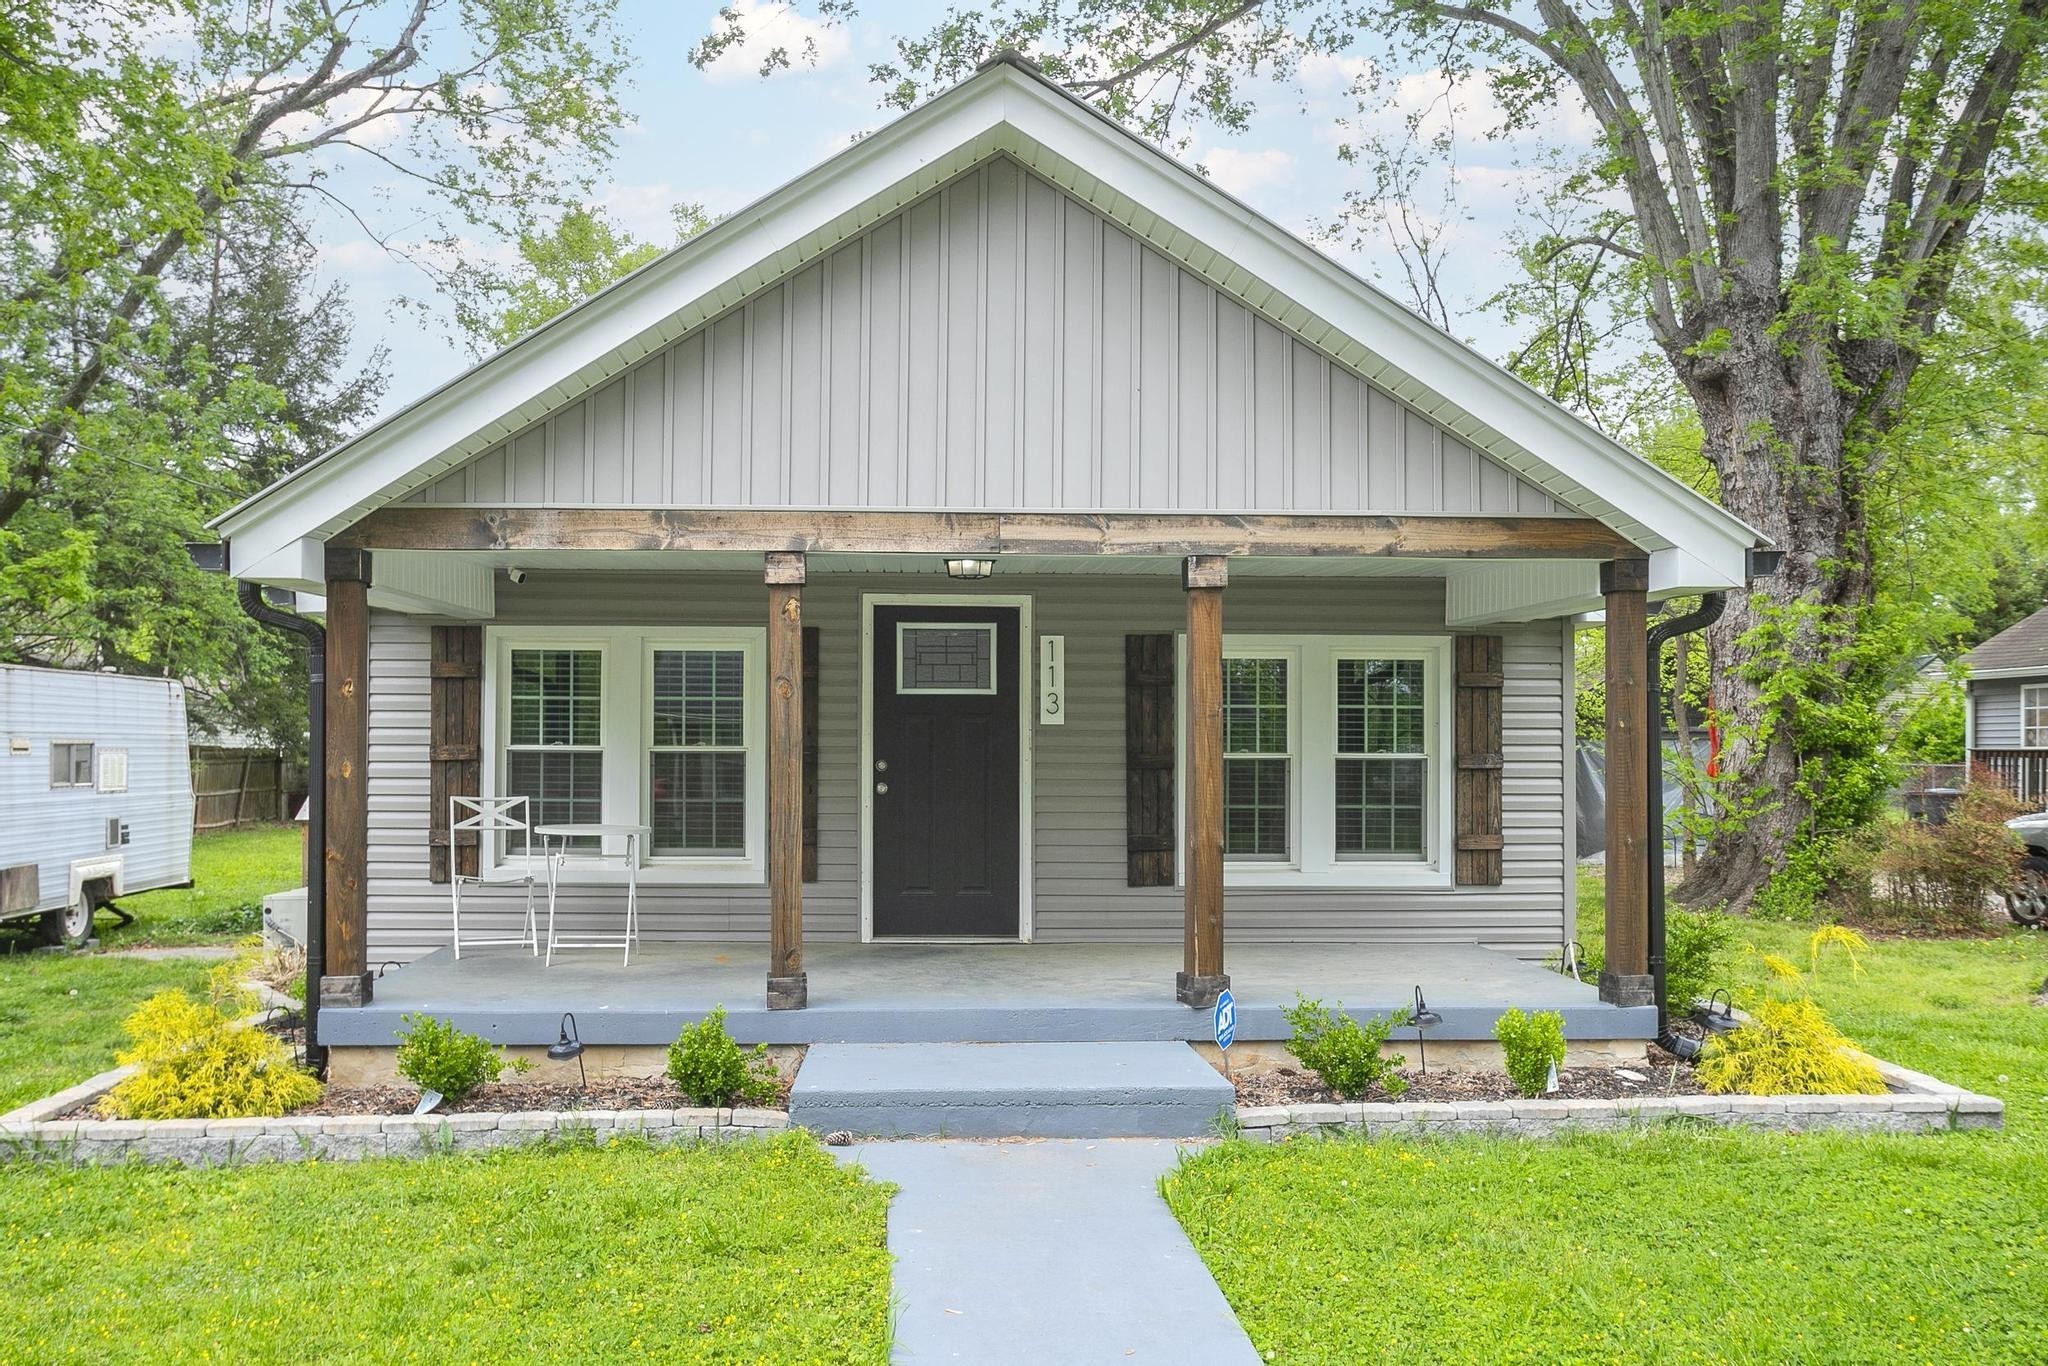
x=960, y=993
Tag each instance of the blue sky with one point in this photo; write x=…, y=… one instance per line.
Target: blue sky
x=726, y=136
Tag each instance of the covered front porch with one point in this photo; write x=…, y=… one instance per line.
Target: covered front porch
x=970, y=993
x=1494, y=852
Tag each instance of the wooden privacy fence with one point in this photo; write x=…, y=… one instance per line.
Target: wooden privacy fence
x=236, y=787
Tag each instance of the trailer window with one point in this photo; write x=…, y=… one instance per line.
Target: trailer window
x=71, y=763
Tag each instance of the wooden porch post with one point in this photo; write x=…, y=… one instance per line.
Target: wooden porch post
x=1625, y=980
x=346, y=980
x=1202, y=977
x=784, y=574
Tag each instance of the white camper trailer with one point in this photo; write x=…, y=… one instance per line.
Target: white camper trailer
x=95, y=794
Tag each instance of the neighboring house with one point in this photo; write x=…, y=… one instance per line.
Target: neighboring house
x=95, y=794
x=2006, y=725
x=996, y=534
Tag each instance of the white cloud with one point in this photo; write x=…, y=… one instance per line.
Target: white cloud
x=1242, y=173
x=642, y=210
x=1323, y=73
x=770, y=25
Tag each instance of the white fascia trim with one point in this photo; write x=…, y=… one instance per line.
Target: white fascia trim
x=1678, y=574
x=2039, y=671
x=1454, y=371
x=2018, y=670
x=299, y=564
x=1000, y=109
x=621, y=323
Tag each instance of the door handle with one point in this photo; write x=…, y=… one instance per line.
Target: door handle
x=882, y=789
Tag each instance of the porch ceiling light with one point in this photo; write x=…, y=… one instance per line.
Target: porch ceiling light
x=569, y=1045
x=969, y=569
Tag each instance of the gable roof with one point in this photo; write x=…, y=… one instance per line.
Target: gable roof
x=1008, y=107
x=2019, y=649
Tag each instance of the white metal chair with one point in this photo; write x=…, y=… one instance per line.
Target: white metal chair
x=488, y=818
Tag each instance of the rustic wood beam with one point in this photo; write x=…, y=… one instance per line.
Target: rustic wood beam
x=1625, y=978
x=346, y=979
x=784, y=574
x=1202, y=977
x=407, y=526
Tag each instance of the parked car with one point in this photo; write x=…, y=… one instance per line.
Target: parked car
x=2027, y=901
x=95, y=794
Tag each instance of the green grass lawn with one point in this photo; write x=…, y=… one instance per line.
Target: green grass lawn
x=60, y=1015
x=232, y=871
x=749, y=1251
x=1676, y=1244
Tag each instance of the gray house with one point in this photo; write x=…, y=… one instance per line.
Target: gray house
x=996, y=567
x=2005, y=725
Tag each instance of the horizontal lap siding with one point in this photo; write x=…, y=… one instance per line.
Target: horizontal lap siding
x=1997, y=723
x=1079, y=855
x=997, y=345
x=1078, y=784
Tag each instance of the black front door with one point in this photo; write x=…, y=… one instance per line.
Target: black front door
x=945, y=771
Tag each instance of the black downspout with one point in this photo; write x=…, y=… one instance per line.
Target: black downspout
x=1708, y=612
x=315, y=635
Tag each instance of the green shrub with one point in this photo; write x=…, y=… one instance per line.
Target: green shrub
x=1696, y=945
x=193, y=1062
x=1944, y=876
x=436, y=1056
x=711, y=1069
x=1788, y=1048
x=1344, y=1053
x=1532, y=1045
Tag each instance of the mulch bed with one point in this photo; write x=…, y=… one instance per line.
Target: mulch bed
x=616, y=1093
x=1661, y=1075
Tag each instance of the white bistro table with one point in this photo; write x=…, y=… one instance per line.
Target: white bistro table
x=554, y=849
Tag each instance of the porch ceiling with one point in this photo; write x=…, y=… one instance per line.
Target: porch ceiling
x=932, y=566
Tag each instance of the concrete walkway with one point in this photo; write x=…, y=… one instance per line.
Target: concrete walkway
x=1046, y=1251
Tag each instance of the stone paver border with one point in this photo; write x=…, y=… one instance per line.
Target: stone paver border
x=331, y=1138
x=1917, y=1103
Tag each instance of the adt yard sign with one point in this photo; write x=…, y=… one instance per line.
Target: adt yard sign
x=1226, y=1019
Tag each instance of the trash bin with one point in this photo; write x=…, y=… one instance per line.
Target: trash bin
x=1932, y=804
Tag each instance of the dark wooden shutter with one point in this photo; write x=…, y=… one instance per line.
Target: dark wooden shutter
x=1476, y=726
x=1148, y=759
x=455, y=695
x=810, y=754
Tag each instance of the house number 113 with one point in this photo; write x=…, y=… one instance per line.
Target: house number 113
x=1052, y=680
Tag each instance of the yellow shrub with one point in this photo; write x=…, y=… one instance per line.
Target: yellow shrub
x=192, y=1063
x=1788, y=1048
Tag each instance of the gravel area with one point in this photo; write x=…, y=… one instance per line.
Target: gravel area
x=1663, y=1075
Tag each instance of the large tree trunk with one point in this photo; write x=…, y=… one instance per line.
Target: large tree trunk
x=1777, y=431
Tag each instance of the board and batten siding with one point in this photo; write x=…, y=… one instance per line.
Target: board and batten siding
x=1079, y=889
x=997, y=345
x=1997, y=702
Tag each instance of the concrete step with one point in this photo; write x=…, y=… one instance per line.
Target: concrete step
x=1008, y=1090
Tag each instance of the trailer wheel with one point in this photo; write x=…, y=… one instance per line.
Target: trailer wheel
x=71, y=927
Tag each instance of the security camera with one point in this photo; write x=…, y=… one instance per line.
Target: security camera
x=516, y=575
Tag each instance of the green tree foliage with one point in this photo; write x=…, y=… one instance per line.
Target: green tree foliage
x=163, y=349
x=558, y=267
x=1816, y=226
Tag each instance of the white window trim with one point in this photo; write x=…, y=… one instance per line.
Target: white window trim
x=1312, y=803
x=2034, y=697
x=1430, y=705
x=627, y=737
x=1239, y=647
